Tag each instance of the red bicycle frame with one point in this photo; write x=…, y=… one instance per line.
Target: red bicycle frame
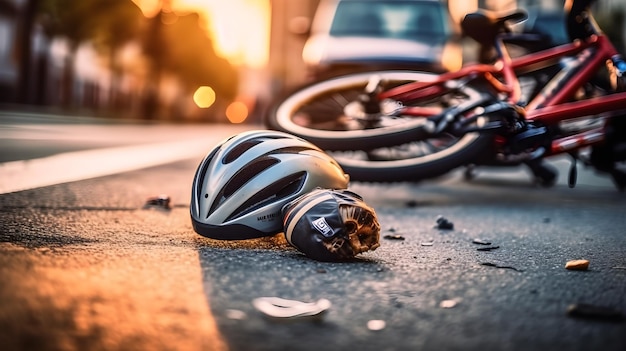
x=551, y=105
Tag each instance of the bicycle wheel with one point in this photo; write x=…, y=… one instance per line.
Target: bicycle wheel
x=387, y=165
x=395, y=148
x=316, y=113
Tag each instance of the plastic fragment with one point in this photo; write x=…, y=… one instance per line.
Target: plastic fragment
x=376, y=324
x=490, y=264
x=162, y=201
x=427, y=243
x=588, y=311
x=444, y=223
x=277, y=307
x=577, y=265
x=480, y=242
x=488, y=248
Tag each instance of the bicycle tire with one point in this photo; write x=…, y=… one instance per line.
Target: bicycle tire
x=312, y=97
x=322, y=103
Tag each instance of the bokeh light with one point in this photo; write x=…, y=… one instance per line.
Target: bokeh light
x=204, y=96
x=237, y=112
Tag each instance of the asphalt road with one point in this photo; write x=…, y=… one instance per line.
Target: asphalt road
x=85, y=264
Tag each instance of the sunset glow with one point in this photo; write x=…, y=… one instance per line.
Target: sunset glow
x=238, y=28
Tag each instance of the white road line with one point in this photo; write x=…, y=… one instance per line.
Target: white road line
x=79, y=165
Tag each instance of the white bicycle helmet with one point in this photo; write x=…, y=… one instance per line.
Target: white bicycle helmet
x=242, y=184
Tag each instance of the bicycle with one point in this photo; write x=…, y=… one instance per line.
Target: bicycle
x=386, y=126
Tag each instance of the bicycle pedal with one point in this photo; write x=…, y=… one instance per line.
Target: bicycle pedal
x=529, y=138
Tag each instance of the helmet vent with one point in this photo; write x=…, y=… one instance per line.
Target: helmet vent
x=290, y=150
x=244, y=175
x=248, y=172
x=239, y=150
x=276, y=191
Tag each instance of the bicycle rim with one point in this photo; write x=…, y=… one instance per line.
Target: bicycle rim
x=362, y=167
x=316, y=113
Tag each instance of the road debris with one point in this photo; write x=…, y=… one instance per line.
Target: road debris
x=588, y=311
x=577, y=265
x=277, y=307
x=411, y=203
x=393, y=237
x=161, y=201
x=427, y=243
x=481, y=241
x=448, y=303
x=236, y=314
x=490, y=264
x=376, y=324
x=488, y=248
x=444, y=224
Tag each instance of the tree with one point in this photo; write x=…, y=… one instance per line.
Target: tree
x=194, y=59
x=24, y=49
x=181, y=47
x=119, y=24
x=178, y=45
x=109, y=23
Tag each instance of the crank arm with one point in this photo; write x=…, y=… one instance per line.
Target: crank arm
x=507, y=114
x=441, y=122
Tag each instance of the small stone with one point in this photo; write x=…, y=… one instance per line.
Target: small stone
x=235, y=314
x=394, y=237
x=376, y=324
x=444, y=223
x=447, y=303
x=577, y=265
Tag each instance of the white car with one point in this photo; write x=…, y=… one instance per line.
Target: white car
x=355, y=35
